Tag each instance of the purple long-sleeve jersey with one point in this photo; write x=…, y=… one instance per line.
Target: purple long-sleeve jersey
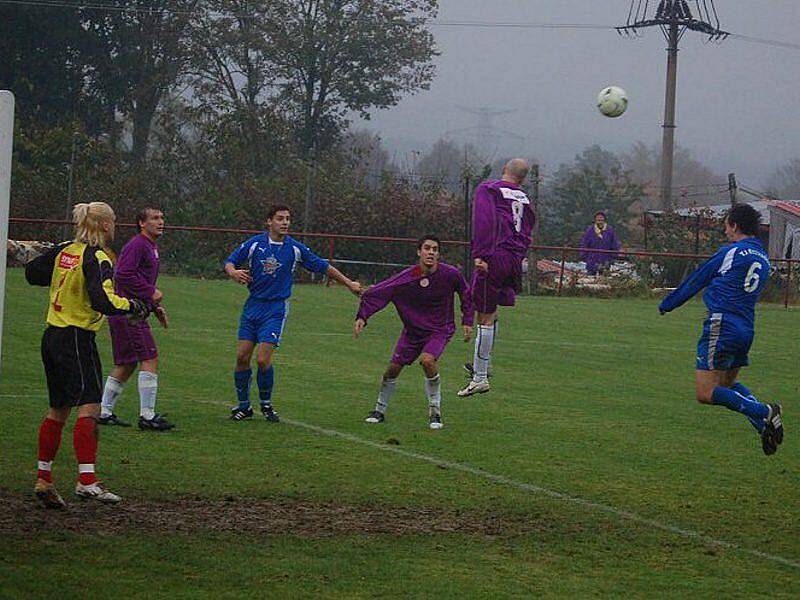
x=502, y=220
x=425, y=303
x=136, y=271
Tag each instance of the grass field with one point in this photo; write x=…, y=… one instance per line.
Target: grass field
x=588, y=470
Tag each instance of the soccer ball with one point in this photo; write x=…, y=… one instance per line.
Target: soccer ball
x=612, y=101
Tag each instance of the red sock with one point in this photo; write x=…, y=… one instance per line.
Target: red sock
x=49, y=441
x=84, y=437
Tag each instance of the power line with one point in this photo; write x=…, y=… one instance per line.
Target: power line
x=99, y=6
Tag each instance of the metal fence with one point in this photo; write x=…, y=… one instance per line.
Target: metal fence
x=551, y=270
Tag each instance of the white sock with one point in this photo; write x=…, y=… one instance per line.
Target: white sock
x=387, y=389
x=433, y=388
x=483, y=352
x=110, y=394
x=148, y=389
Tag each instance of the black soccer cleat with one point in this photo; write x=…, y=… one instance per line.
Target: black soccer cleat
x=270, y=414
x=471, y=370
x=772, y=436
x=113, y=419
x=375, y=416
x=157, y=423
x=240, y=414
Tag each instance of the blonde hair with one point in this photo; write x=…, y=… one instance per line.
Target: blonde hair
x=89, y=218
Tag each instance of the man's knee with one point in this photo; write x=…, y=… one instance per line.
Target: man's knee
x=705, y=396
x=428, y=362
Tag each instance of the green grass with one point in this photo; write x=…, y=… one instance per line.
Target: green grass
x=591, y=398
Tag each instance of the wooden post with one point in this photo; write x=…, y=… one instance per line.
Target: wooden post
x=561, y=276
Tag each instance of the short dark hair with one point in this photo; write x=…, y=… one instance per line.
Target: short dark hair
x=746, y=217
x=141, y=216
x=432, y=238
x=276, y=208
x=600, y=212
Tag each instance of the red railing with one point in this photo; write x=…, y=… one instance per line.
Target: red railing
x=332, y=237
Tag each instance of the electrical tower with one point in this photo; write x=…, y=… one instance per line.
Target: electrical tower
x=673, y=17
x=485, y=131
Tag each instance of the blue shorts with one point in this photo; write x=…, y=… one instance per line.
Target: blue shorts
x=724, y=344
x=262, y=321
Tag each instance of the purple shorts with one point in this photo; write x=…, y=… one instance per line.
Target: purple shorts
x=411, y=345
x=131, y=342
x=499, y=286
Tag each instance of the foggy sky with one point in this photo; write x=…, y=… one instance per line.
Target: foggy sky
x=738, y=103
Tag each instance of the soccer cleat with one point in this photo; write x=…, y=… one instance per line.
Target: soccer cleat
x=47, y=494
x=240, y=414
x=96, y=491
x=772, y=436
x=475, y=387
x=435, y=419
x=375, y=416
x=157, y=423
x=112, y=419
x=270, y=414
x=471, y=370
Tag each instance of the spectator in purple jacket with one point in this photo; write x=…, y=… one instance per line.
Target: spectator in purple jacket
x=423, y=295
x=132, y=342
x=599, y=236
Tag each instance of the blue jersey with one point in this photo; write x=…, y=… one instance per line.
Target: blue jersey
x=272, y=265
x=735, y=277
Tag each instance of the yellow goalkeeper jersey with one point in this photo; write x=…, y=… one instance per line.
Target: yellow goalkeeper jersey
x=81, y=285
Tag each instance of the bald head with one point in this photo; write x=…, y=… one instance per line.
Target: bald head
x=516, y=170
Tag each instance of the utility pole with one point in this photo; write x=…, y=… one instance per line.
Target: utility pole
x=467, y=224
x=673, y=17
x=533, y=255
x=732, y=187
x=70, y=184
x=311, y=174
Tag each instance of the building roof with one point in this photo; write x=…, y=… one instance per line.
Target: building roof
x=792, y=207
x=719, y=210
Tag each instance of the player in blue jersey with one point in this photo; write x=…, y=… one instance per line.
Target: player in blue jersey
x=734, y=278
x=266, y=264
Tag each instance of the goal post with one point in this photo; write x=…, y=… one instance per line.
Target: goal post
x=6, y=142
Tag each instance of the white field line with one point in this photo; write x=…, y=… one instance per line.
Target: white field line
x=522, y=485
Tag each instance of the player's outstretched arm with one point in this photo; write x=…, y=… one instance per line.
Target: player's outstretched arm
x=335, y=274
x=701, y=277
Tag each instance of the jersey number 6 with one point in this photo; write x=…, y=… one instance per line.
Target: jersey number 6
x=752, y=278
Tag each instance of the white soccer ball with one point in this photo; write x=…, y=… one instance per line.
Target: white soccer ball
x=612, y=101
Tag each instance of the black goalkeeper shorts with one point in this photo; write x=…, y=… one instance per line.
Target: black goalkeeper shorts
x=72, y=367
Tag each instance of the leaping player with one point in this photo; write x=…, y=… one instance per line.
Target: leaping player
x=502, y=224
x=734, y=278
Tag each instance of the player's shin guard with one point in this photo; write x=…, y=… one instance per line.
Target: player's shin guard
x=483, y=352
x=111, y=392
x=733, y=400
x=387, y=389
x=148, y=390
x=266, y=380
x=49, y=441
x=84, y=438
x=241, y=381
x=433, y=389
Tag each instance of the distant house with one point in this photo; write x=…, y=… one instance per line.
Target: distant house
x=708, y=217
x=784, y=235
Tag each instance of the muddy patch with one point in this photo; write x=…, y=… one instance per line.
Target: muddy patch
x=22, y=514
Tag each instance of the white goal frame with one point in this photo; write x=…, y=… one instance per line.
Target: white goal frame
x=6, y=143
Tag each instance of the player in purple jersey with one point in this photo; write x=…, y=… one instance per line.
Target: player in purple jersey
x=502, y=224
x=132, y=343
x=423, y=296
